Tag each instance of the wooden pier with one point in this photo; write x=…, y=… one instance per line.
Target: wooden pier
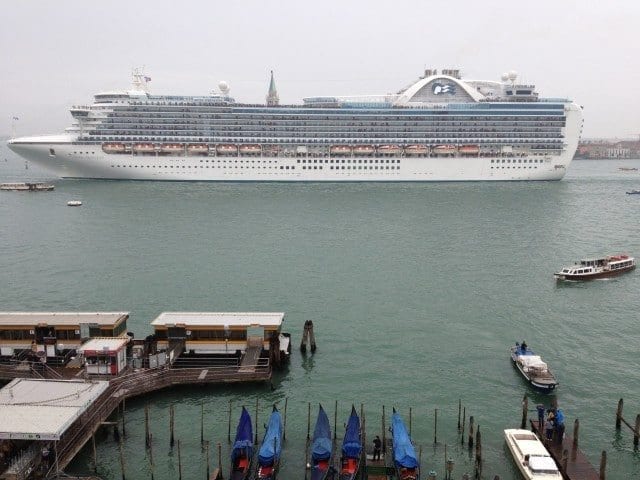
x=573, y=464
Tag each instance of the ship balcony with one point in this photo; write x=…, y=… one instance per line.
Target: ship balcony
x=80, y=111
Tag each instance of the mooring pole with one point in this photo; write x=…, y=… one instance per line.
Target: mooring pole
x=470, y=440
x=256, y=429
x=384, y=432
x=171, y=425
x=208, y=468
x=619, y=414
x=220, y=459
x=603, y=465
x=308, y=420
x=525, y=407
x=201, y=423
x=464, y=420
x=229, y=424
x=435, y=427
x=146, y=425
x=335, y=421
x=410, y=419
x=576, y=432
x=179, y=462
x=459, y=411
x=284, y=428
x=478, y=452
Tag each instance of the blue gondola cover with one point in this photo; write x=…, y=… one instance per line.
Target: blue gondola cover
x=404, y=455
x=244, y=436
x=351, y=445
x=272, y=444
x=322, y=444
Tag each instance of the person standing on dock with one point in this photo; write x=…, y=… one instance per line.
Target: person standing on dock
x=540, y=409
x=377, y=448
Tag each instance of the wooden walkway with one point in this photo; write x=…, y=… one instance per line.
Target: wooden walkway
x=577, y=464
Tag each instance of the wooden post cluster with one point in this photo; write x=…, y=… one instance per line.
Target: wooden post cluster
x=635, y=429
x=308, y=337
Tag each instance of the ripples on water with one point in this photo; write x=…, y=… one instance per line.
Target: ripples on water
x=416, y=291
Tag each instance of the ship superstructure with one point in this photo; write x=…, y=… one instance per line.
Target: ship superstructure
x=439, y=128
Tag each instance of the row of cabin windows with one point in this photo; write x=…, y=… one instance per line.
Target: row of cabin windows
x=219, y=335
x=60, y=334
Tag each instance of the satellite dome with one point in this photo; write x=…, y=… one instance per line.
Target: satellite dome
x=505, y=77
x=513, y=75
x=223, y=86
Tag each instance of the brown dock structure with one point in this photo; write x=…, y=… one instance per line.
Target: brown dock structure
x=573, y=463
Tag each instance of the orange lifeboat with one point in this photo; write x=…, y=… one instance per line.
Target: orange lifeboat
x=144, y=148
x=444, y=149
x=250, y=149
x=390, y=149
x=172, y=148
x=198, y=149
x=364, y=150
x=340, y=150
x=469, y=149
x=416, y=149
x=113, y=148
x=227, y=149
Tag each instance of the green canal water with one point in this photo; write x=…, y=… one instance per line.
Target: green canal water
x=416, y=292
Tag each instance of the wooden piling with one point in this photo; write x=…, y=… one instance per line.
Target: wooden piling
x=478, y=453
x=603, y=465
x=95, y=453
x=146, y=425
x=419, y=455
x=208, y=467
x=410, y=420
x=445, y=461
x=459, y=411
x=229, y=424
x=121, y=460
x=123, y=409
x=435, y=427
x=201, y=423
x=179, y=462
x=335, y=421
x=308, y=420
x=636, y=433
x=255, y=440
x=470, y=440
x=284, y=428
x=464, y=420
x=384, y=432
x=219, y=460
x=525, y=408
x=151, y=452
x=619, y=414
x=576, y=432
x=171, y=425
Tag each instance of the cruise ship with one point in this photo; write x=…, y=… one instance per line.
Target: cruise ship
x=440, y=128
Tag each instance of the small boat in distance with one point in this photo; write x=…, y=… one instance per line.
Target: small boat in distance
x=600, y=267
x=74, y=203
x=322, y=447
x=634, y=192
x=271, y=448
x=404, y=455
x=242, y=452
x=351, y=448
x=532, y=368
x=27, y=187
x=628, y=169
x=531, y=457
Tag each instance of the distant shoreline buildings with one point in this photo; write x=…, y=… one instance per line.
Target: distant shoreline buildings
x=605, y=149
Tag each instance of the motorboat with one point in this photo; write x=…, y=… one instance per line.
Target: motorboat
x=530, y=455
x=74, y=203
x=532, y=368
x=598, y=267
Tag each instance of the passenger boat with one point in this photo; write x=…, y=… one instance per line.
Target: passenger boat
x=351, y=448
x=340, y=150
x=113, y=148
x=390, y=149
x=226, y=149
x=532, y=368
x=250, y=149
x=74, y=203
x=469, y=149
x=198, y=149
x=144, y=148
x=172, y=148
x=404, y=455
x=271, y=448
x=322, y=447
x=444, y=149
x=27, y=187
x=531, y=456
x=364, y=150
x=242, y=452
x=600, y=267
x=416, y=150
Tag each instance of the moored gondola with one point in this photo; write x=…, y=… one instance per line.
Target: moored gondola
x=404, y=455
x=242, y=452
x=321, y=448
x=351, y=448
x=269, y=453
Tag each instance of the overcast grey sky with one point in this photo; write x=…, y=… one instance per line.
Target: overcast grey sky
x=59, y=53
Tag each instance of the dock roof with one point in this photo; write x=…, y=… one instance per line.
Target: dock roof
x=101, y=344
x=219, y=319
x=38, y=409
x=60, y=318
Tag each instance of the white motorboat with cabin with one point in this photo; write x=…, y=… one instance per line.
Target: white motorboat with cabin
x=599, y=267
x=532, y=458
